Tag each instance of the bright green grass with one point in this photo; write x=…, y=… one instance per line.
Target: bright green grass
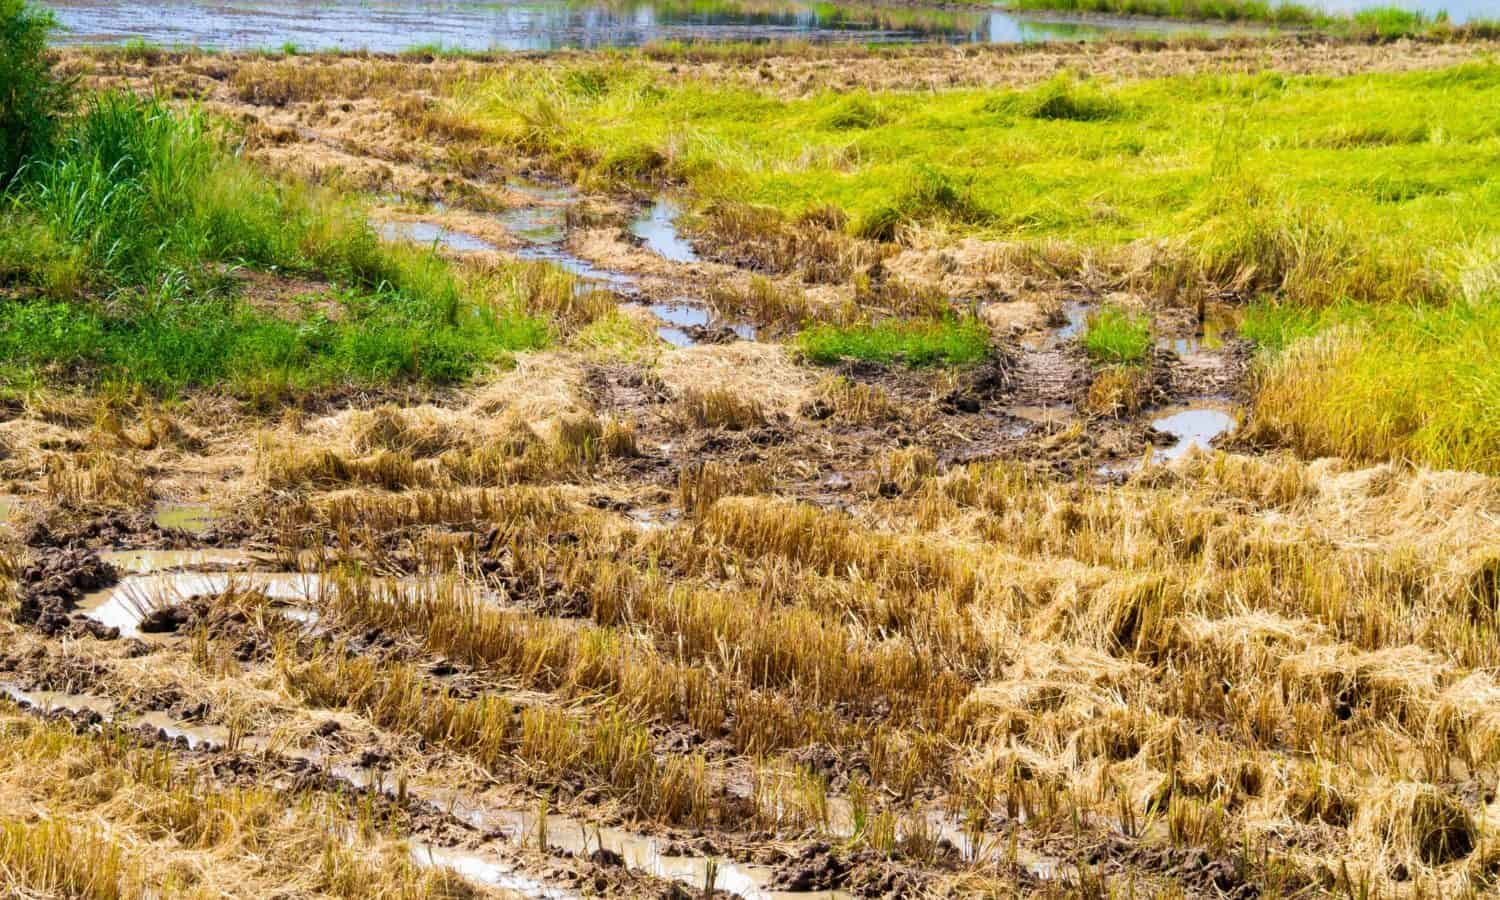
x=1355, y=185
x=1384, y=21
x=1277, y=12
x=1381, y=381
x=116, y=245
x=915, y=342
x=1113, y=335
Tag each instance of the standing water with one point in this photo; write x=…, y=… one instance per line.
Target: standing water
x=657, y=227
x=389, y=26
x=1195, y=426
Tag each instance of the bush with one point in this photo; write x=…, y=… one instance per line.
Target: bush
x=32, y=99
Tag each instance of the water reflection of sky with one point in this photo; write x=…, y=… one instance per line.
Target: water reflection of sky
x=386, y=26
x=1458, y=10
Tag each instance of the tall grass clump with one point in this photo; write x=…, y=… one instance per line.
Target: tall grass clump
x=930, y=194
x=32, y=98
x=131, y=229
x=1061, y=98
x=1114, y=335
x=1381, y=381
x=916, y=342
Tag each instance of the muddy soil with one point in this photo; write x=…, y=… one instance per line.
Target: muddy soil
x=704, y=614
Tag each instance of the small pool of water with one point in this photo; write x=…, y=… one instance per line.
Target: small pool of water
x=591, y=276
x=682, y=316
x=124, y=605
x=483, y=869
x=58, y=700
x=1218, y=327
x=657, y=226
x=430, y=233
x=194, y=518
x=1196, y=426
x=534, y=224
x=1077, y=315
x=140, y=562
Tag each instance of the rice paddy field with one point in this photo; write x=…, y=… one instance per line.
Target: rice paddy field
x=760, y=470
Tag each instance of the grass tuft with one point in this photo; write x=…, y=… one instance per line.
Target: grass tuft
x=1117, y=336
x=914, y=342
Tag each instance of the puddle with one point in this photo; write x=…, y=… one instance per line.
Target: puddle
x=592, y=276
x=191, y=517
x=51, y=700
x=1077, y=315
x=140, y=562
x=682, y=316
x=1195, y=426
x=483, y=869
x=658, y=228
x=391, y=26
x=124, y=605
x=1214, y=333
x=430, y=233
x=534, y=224
x=651, y=520
x=198, y=737
x=640, y=852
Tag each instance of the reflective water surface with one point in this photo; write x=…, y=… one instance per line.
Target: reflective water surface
x=387, y=26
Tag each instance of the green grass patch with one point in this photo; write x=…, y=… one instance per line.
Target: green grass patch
x=1115, y=336
x=914, y=342
x=122, y=241
x=1381, y=21
x=1365, y=381
x=1297, y=184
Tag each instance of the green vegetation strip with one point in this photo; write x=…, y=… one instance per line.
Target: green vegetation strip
x=915, y=342
x=1385, y=21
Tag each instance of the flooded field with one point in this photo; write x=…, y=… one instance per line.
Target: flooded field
x=384, y=26
x=569, y=526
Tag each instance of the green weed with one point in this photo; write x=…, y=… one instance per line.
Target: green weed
x=1114, y=335
x=915, y=342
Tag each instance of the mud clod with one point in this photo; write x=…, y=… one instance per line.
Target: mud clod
x=53, y=585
